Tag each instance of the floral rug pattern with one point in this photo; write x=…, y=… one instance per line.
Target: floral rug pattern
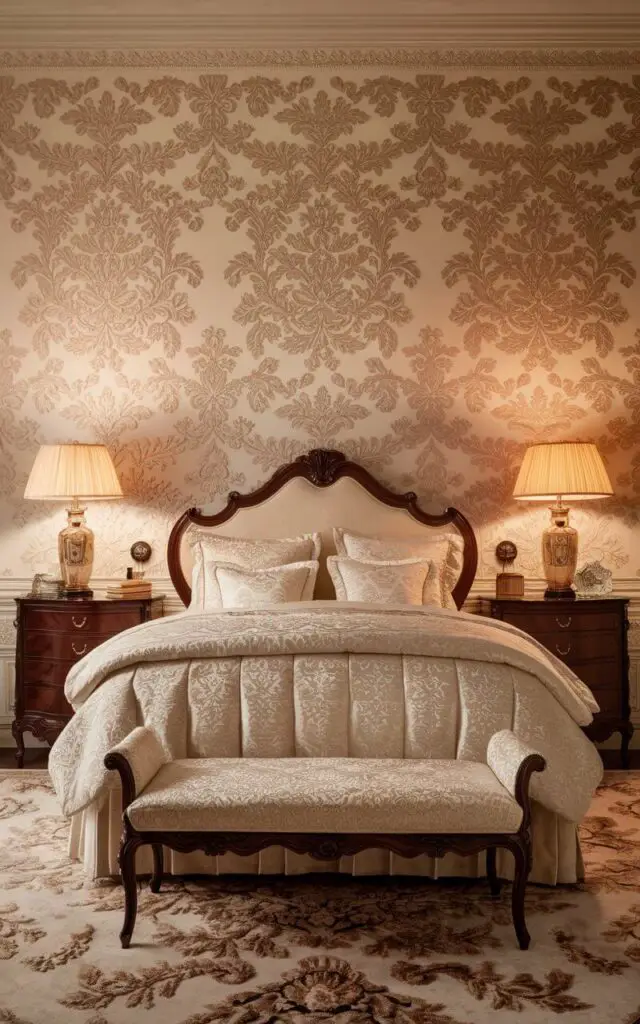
x=314, y=950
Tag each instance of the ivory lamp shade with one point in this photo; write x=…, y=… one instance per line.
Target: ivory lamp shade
x=568, y=469
x=63, y=471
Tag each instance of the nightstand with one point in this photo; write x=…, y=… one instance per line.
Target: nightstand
x=590, y=636
x=54, y=633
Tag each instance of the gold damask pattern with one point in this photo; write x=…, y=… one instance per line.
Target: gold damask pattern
x=339, y=949
x=255, y=588
x=210, y=550
x=408, y=581
x=213, y=270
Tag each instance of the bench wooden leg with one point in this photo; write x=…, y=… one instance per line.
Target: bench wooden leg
x=158, y=867
x=127, y=861
x=495, y=884
x=522, y=865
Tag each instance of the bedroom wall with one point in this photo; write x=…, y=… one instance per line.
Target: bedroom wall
x=213, y=270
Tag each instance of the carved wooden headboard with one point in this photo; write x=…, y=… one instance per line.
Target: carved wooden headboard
x=317, y=491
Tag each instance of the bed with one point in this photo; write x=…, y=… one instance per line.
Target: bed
x=399, y=682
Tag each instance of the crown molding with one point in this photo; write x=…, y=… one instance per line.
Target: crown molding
x=316, y=31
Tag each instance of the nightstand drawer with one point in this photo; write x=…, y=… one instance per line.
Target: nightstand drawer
x=610, y=701
x=82, y=620
x=600, y=676
x=590, y=637
x=556, y=621
x=53, y=635
x=67, y=647
x=572, y=646
x=46, y=699
x=42, y=670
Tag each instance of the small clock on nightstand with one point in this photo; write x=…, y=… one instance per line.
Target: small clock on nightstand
x=54, y=633
x=590, y=636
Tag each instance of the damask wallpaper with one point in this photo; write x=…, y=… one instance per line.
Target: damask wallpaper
x=212, y=271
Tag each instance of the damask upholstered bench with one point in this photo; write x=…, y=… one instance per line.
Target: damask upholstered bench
x=327, y=807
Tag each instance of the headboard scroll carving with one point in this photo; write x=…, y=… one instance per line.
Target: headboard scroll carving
x=323, y=467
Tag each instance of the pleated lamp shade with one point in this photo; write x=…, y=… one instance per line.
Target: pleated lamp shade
x=82, y=471
x=570, y=469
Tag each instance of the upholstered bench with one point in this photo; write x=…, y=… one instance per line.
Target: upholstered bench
x=326, y=807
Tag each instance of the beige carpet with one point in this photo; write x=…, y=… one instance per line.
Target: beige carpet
x=305, y=951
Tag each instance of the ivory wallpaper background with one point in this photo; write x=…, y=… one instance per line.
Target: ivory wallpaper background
x=212, y=271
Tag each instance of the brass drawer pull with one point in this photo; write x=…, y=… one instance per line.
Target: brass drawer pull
x=561, y=652
x=83, y=651
x=563, y=625
x=79, y=625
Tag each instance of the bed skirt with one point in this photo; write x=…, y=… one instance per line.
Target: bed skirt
x=95, y=839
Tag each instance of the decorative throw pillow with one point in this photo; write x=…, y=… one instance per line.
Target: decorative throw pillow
x=403, y=581
x=444, y=549
x=255, y=588
x=211, y=548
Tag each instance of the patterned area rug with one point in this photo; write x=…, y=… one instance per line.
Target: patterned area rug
x=310, y=951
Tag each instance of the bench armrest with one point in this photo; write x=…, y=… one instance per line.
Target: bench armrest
x=513, y=762
x=137, y=758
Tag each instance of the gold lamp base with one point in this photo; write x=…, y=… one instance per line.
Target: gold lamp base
x=75, y=551
x=559, y=555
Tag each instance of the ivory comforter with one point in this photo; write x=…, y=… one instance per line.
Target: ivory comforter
x=324, y=679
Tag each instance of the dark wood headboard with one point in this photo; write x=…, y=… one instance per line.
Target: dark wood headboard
x=323, y=467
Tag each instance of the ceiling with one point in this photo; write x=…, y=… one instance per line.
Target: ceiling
x=318, y=23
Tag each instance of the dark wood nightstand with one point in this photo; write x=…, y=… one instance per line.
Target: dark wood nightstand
x=590, y=636
x=52, y=635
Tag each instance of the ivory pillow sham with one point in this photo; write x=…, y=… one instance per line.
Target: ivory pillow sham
x=211, y=549
x=399, y=581
x=444, y=550
x=255, y=588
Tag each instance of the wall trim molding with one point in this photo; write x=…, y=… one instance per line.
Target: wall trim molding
x=412, y=57
x=483, y=586
x=286, y=25
x=11, y=587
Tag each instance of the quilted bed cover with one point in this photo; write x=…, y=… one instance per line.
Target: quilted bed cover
x=327, y=679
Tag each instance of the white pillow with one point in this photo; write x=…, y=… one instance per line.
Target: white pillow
x=211, y=548
x=403, y=581
x=255, y=588
x=444, y=549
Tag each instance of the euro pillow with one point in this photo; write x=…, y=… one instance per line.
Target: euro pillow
x=399, y=581
x=257, y=588
x=209, y=549
x=444, y=549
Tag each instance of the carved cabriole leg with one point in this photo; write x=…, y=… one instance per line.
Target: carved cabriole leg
x=522, y=858
x=158, y=867
x=495, y=884
x=16, y=731
x=521, y=845
x=115, y=761
x=127, y=861
x=626, y=733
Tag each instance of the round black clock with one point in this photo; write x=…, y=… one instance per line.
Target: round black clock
x=140, y=551
x=506, y=552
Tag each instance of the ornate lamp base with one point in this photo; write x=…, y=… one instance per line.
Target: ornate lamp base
x=559, y=555
x=75, y=551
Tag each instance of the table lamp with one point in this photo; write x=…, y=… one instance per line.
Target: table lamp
x=75, y=473
x=557, y=472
